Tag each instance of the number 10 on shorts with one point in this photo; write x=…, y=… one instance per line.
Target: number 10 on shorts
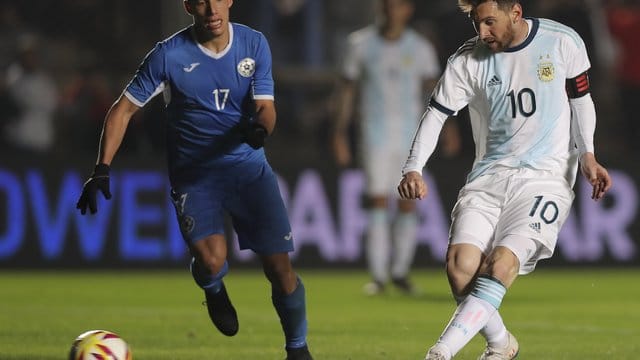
x=548, y=212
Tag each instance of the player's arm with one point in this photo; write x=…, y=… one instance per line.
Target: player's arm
x=345, y=99
x=412, y=185
x=266, y=114
x=114, y=128
x=450, y=140
x=263, y=125
x=583, y=124
x=264, y=119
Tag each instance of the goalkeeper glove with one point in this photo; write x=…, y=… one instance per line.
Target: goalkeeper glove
x=256, y=134
x=99, y=180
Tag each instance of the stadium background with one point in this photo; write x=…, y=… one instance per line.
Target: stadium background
x=92, y=48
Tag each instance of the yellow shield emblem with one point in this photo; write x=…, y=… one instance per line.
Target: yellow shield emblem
x=546, y=71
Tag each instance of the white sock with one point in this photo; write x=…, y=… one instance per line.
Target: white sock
x=470, y=316
x=405, y=229
x=378, y=244
x=473, y=313
x=495, y=332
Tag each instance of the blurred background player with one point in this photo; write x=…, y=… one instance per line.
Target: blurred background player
x=390, y=67
x=31, y=102
x=527, y=86
x=217, y=76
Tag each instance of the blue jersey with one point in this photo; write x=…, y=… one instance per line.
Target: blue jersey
x=210, y=96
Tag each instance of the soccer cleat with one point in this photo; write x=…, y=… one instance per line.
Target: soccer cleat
x=506, y=353
x=373, y=288
x=299, y=353
x=405, y=286
x=438, y=352
x=221, y=311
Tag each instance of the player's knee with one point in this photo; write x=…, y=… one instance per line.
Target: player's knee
x=503, y=265
x=212, y=264
x=461, y=271
x=462, y=267
x=376, y=202
x=407, y=206
x=463, y=262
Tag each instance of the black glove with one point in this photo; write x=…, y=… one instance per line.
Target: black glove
x=99, y=180
x=255, y=135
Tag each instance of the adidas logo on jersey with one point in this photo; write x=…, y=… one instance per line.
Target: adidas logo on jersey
x=495, y=80
x=535, y=226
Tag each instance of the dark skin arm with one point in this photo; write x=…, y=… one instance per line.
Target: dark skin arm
x=114, y=128
x=266, y=114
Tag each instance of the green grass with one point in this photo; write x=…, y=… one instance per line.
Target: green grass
x=556, y=314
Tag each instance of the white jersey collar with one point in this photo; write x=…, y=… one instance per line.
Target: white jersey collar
x=221, y=53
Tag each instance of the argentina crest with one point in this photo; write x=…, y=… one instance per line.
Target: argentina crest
x=546, y=70
x=246, y=67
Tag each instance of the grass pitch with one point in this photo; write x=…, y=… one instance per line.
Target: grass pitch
x=555, y=314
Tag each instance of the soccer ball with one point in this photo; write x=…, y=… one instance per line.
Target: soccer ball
x=99, y=345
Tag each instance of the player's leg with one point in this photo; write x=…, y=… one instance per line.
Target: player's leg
x=463, y=264
x=404, y=230
x=208, y=267
x=288, y=297
x=475, y=216
x=377, y=245
x=463, y=261
x=496, y=274
x=378, y=177
x=261, y=222
x=475, y=213
x=529, y=227
x=201, y=224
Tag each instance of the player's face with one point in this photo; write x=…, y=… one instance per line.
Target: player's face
x=210, y=15
x=494, y=26
x=397, y=12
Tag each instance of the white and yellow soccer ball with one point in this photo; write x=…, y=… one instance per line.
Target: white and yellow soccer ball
x=99, y=345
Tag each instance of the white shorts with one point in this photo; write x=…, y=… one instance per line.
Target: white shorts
x=511, y=208
x=383, y=170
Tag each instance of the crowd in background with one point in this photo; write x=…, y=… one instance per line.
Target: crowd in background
x=64, y=62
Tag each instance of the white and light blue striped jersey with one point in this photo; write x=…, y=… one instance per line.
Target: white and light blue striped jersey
x=518, y=104
x=209, y=95
x=391, y=75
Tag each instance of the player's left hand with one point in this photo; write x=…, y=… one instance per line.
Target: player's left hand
x=255, y=136
x=596, y=174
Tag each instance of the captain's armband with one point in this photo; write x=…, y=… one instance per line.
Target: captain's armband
x=578, y=86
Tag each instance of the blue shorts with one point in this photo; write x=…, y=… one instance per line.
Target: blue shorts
x=249, y=193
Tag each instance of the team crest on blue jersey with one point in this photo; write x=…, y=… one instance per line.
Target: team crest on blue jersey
x=187, y=223
x=546, y=70
x=246, y=67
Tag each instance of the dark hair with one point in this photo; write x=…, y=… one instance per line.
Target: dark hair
x=468, y=6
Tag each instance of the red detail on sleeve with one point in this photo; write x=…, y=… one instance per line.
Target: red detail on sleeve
x=582, y=82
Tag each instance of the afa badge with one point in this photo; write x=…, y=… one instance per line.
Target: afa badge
x=246, y=67
x=546, y=70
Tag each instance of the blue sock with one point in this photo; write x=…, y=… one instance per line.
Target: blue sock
x=293, y=315
x=208, y=282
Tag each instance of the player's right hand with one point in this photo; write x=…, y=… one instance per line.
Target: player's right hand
x=99, y=180
x=341, y=150
x=412, y=186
